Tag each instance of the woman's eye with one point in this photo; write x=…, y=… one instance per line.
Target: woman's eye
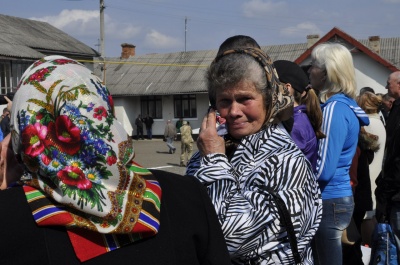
x=223, y=102
x=244, y=99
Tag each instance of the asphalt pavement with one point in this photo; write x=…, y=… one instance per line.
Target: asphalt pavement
x=154, y=154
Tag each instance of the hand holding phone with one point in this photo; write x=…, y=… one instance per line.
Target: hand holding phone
x=209, y=141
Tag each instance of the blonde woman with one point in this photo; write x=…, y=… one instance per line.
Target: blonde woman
x=332, y=74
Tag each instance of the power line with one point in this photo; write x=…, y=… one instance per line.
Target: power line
x=139, y=63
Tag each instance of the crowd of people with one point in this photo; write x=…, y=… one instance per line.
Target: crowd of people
x=334, y=128
x=298, y=157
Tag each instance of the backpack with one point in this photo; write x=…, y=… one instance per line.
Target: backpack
x=383, y=249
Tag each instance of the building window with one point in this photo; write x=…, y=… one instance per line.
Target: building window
x=185, y=106
x=18, y=68
x=10, y=74
x=5, y=77
x=151, y=105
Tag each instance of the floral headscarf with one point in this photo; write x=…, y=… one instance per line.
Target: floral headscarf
x=78, y=157
x=281, y=108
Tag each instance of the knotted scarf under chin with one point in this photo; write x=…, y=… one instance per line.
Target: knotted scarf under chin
x=281, y=106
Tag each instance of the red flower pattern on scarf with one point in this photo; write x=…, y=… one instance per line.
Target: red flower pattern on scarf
x=33, y=138
x=64, y=135
x=45, y=159
x=111, y=101
x=74, y=176
x=111, y=160
x=99, y=113
x=40, y=75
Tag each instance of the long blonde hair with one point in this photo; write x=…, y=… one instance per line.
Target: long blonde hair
x=337, y=61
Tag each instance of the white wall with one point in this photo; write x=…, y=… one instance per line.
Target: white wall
x=128, y=108
x=125, y=110
x=123, y=118
x=370, y=73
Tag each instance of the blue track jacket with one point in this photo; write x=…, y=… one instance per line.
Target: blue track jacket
x=342, y=118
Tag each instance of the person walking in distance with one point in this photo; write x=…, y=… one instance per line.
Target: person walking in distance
x=169, y=135
x=178, y=126
x=186, y=143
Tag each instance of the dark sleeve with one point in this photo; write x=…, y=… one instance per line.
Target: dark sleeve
x=388, y=185
x=189, y=207
x=22, y=241
x=217, y=252
x=16, y=236
x=353, y=168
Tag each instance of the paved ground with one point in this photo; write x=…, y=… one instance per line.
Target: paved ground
x=154, y=154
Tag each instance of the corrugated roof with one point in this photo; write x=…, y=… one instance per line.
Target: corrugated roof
x=389, y=49
x=159, y=74
x=174, y=73
x=25, y=38
x=183, y=72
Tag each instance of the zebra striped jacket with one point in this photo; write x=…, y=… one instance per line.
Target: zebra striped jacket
x=249, y=218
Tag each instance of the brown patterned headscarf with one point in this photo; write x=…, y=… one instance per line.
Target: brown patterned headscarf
x=281, y=108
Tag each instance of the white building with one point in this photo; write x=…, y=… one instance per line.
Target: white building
x=168, y=86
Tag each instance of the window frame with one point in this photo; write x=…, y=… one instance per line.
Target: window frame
x=151, y=105
x=185, y=106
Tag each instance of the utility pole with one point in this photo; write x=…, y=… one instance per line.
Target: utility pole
x=185, y=31
x=102, y=54
x=102, y=7
x=98, y=45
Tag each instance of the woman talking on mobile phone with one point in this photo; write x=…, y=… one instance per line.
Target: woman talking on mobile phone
x=257, y=159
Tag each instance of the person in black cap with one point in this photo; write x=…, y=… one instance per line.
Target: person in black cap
x=307, y=112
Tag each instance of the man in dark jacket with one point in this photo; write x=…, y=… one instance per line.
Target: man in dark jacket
x=388, y=184
x=148, y=121
x=387, y=103
x=139, y=127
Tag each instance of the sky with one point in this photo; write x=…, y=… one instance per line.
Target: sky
x=164, y=26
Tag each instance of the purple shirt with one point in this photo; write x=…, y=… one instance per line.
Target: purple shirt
x=304, y=136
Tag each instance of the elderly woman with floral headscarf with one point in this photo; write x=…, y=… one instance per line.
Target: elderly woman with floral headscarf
x=70, y=167
x=255, y=170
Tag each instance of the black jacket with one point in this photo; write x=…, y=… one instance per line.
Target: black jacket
x=388, y=183
x=189, y=232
